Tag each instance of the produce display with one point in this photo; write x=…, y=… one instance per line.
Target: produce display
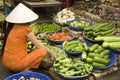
x=97, y=21
x=111, y=42
x=100, y=29
x=64, y=16
x=58, y=52
x=69, y=67
x=80, y=24
x=44, y=27
x=97, y=56
x=74, y=46
x=60, y=36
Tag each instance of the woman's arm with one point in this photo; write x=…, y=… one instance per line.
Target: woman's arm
x=32, y=38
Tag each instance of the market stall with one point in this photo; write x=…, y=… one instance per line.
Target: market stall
x=85, y=39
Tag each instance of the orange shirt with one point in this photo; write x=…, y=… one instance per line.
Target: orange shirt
x=15, y=54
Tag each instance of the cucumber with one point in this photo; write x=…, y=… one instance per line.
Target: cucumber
x=95, y=55
x=105, y=28
x=105, y=52
x=85, y=47
x=70, y=47
x=101, y=60
x=64, y=44
x=101, y=25
x=99, y=50
x=89, y=60
x=112, y=33
x=108, y=38
x=95, y=46
x=114, y=45
x=95, y=64
x=84, y=55
x=108, y=31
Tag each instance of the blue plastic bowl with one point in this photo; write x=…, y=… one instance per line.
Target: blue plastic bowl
x=28, y=75
x=58, y=42
x=113, y=60
x=76, y=53
x=115, y=50
x=72, y=77
x=78, y=28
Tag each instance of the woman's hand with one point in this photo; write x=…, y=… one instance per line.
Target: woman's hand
x=52, y=55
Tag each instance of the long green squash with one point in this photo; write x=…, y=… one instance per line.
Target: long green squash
x=112, y=45
x=108, y=38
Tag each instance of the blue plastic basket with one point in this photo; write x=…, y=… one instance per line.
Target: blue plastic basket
x=27, y=75
x=113, y=60
x=75, y=53
x=71, y=77
x=79, y=28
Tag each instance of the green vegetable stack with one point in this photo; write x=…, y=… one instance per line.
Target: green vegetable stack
x=100, y=29
x=44, y=27
x=80, y=24
x=112, y=42
x=97, y=56
x=69, y=67
x=73, y=46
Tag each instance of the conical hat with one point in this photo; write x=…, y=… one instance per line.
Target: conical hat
x=21, y=14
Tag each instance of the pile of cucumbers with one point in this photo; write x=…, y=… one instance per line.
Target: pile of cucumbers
x=97, y=56
x=70, y=67
x=112, y=42
x=74, y=46
x=100, y=29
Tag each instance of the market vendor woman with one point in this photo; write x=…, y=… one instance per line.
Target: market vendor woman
x=14, y=53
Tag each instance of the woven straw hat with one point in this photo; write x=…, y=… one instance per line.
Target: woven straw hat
x=21, y=14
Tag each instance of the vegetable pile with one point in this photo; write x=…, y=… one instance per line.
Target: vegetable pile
x=58, y=52
x=74, y=46
x=44, y=27
x=100, y=29
x=96, y=55
x=80, y=24
x=64, y=16
x=60, y=36
x=112, y=42
x=69, y=67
